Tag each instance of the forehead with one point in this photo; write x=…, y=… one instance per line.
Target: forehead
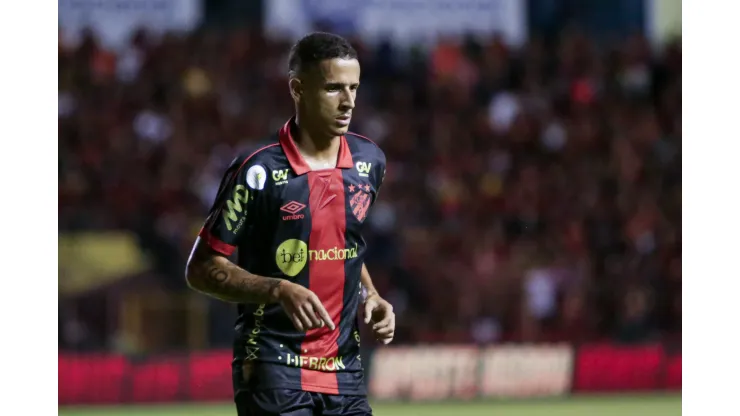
x=345, y=71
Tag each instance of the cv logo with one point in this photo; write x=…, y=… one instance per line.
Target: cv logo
x=280, y=176
x=363, y=168
x=291, y=257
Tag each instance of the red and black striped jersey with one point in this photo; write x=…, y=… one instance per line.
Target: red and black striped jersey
x=305, y=226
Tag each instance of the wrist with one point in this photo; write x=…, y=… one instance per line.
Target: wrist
x=277, y=290
x=371, y=293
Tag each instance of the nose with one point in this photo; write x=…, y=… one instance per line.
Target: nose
x=348, y=100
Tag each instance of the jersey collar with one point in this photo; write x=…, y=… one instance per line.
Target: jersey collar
x=297, y=163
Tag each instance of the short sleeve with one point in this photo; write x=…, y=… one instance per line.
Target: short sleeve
x=380, y=173
x=233, y=210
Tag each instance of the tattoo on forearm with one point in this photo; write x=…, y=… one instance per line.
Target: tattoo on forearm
x=217, y=274
x=232, y=284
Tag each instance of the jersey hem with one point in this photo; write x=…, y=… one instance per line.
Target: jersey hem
x=342, y=391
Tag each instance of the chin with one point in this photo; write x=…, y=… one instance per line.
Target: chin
x=339, y=130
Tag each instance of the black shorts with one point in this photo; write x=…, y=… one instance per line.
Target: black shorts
x=285, y=402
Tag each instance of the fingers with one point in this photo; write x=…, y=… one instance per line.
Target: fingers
x=369, y=306
x=304, y=309
x=316, y=322
x=321, y=312
x=385, y=338
x=305, y=320
x=297, y=322
x=385, y=329
x=383, y=332
x=384, y=322
x=302, y=320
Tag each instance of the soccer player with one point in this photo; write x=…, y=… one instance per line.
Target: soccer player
x=295, y=210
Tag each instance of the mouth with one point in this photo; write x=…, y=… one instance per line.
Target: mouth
x=344, y=119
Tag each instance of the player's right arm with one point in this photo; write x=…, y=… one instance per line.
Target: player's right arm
x=211, y=272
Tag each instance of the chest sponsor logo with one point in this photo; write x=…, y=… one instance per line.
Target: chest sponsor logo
x=293, y=208
x=235, y=211
x=359, y=200
x=280, y=176
x=334, y=253
x=363, y=168
x=292, y=255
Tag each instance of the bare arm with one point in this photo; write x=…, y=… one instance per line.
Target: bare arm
x=213, y=274
x=367, y=282
x=378, y=311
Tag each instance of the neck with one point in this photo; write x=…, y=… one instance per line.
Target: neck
x=315, y=145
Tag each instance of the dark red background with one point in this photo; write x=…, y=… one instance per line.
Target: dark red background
x=93, y=379
x=607, y=368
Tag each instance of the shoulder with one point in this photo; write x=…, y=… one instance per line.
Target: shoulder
x=364, y=149
x=253, y=164
x=263, y=155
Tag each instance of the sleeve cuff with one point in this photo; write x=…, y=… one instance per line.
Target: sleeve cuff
x=215, y=243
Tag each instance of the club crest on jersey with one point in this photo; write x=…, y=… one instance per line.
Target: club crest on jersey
x=359, y=202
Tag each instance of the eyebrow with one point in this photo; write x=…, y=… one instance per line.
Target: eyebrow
x=340, y=84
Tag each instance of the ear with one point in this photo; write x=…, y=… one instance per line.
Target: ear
x=296, y=89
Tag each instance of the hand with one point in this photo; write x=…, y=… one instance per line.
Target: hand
x=380, y=312
x=303, y=307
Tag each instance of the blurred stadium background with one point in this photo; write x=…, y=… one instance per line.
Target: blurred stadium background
x=529, y=232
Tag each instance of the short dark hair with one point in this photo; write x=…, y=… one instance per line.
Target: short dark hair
x=317, y=47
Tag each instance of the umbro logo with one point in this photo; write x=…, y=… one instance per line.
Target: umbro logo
x=293, y=208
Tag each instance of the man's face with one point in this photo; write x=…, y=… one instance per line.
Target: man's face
x=327, y=95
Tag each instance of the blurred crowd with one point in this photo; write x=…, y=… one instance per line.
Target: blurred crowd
x=532, y=194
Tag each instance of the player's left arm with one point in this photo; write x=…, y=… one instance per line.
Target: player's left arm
x=378, y=311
